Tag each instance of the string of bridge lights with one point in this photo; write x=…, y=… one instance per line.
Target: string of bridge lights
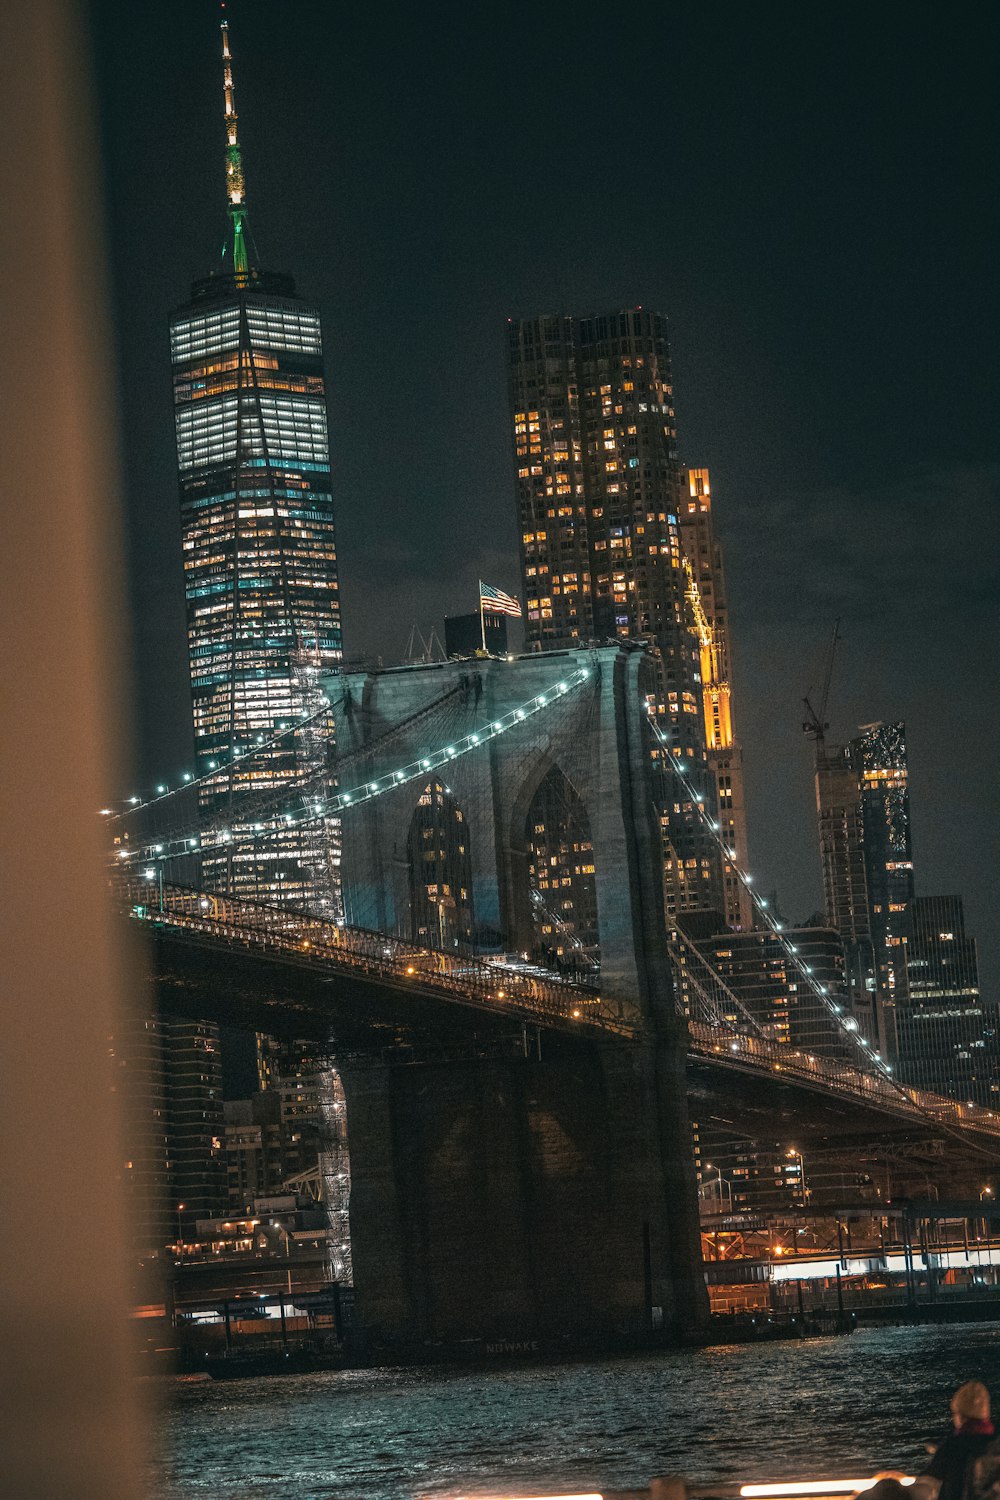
x=435, y=760
x=216, y=768
x=846, y=1023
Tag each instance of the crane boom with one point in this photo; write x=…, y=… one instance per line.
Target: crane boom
x=816, y=723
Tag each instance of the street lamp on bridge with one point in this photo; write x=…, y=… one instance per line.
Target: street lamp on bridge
x=721, y=1182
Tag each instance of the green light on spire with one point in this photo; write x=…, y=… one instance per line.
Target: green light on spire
x=235, y=185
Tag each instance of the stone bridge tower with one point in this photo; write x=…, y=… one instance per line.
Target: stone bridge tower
x=547, y=1196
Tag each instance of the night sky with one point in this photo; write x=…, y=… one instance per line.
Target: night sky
x=809, y=193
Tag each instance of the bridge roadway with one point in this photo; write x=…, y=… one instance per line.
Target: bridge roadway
x=240, y=962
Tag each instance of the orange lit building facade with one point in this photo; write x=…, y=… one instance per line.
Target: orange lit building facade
x=707, y=581
x=600, y=494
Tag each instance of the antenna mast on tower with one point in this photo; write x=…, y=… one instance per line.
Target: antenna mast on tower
x=235, y=186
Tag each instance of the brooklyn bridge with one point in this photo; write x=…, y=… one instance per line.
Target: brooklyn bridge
x=525, y=1034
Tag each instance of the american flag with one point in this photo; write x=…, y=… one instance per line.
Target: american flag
x=496, y=599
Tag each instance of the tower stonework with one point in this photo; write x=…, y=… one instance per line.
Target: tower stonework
x=479, y=1178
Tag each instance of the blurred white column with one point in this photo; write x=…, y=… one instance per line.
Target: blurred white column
x=70, y=1414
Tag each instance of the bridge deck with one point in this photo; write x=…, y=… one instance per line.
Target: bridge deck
x=522, y=993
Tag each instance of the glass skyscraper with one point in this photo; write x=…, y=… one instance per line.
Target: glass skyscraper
x=260, y=561
x=948, y=1039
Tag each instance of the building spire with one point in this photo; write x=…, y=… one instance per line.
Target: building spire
x=235, y=187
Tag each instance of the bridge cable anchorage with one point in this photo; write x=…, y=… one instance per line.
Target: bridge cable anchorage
x=158, y=851
x=933, y=1107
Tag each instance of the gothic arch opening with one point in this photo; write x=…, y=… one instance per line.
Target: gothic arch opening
x=561, y=876
x=440, y=871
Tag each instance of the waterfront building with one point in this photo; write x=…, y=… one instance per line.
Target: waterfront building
x=137, y=1078
x=948, y=1035
x=260, y=561
x=600, y=490
x=192, y=1073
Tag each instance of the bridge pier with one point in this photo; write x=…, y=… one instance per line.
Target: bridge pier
x=501, y=1205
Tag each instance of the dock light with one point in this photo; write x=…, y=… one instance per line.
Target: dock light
x=161, y=791
x=133, y=800
x=186, y=776
x=410, y=969
x=149, y=874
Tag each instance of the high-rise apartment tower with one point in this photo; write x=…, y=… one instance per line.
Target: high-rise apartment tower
x=600, y=490
x=863, y=807
x=260, y=562
x=948, y=1036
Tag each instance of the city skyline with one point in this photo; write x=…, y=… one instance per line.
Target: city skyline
x=794, y=558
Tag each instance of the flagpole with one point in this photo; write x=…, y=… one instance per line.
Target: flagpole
x=482, y=616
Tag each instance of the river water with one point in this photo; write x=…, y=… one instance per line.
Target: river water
x=824, y=1407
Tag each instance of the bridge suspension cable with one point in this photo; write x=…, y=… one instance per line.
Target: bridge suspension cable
x=931, y=1107
x=273, y=799
x=846, y=1024
x=221, y=831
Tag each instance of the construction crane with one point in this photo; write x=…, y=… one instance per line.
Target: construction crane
x=816, y=724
